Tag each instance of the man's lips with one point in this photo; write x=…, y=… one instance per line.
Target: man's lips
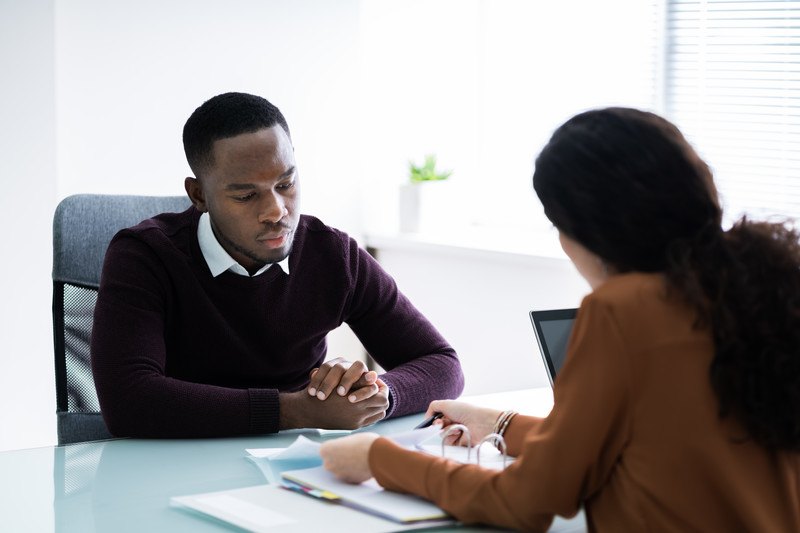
x=274, y=241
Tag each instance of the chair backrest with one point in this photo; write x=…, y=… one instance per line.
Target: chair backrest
x=83, y=226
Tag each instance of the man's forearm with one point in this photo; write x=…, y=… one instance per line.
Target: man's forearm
x=418, y=382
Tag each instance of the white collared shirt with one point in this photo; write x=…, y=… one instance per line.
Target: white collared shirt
x=217, y=259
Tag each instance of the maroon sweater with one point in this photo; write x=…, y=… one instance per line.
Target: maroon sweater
x=178, y=353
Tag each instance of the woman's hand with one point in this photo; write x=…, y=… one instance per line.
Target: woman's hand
x=348, y=457
x=479, y=420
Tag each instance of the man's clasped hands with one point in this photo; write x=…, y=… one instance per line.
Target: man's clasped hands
x=341, y=394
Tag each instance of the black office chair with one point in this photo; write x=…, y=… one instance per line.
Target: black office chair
x=83, y=226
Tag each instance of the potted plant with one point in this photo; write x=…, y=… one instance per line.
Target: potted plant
x=427, y=171
x=416, y=202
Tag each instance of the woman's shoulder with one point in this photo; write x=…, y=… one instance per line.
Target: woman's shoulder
x=631, y=286
x=641, y=305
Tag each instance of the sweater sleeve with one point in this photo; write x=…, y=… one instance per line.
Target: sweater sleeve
x=129, y=360
x=564, y=460
x=421, y=366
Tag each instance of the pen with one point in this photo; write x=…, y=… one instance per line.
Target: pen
x=428, y=421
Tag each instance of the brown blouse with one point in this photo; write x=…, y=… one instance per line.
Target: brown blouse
x=634, y=436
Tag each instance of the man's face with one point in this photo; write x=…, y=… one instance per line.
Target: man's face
x=251, y=193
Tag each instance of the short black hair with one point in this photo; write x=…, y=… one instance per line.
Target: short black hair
x=223, y=116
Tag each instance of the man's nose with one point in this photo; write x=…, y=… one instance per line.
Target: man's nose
x=272, y=208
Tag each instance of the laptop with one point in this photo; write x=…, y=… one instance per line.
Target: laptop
x=552, y=329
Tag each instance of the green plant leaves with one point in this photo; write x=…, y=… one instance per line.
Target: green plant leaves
x=427, y=171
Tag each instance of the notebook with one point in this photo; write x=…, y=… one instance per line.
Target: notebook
x=273, y=509
x=368, y=497
x=552, y=329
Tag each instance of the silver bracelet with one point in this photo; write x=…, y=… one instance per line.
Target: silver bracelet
x=507, y=420
x=500, y=421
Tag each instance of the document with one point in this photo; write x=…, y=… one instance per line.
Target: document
x=298, y=467
x=302, y=448
x=372, y=498
x=368, y=496
x=303, y=453
x=273, y=509
x=490, y=457
x=235, y=507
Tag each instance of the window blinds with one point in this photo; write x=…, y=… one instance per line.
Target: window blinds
x=732, y=84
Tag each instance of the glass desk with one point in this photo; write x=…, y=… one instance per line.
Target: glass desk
x=124, y=485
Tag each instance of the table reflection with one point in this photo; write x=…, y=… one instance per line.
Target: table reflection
x=125, y=485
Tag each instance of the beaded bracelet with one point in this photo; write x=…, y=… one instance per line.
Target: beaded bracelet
x=511, y=415
x=501, y=421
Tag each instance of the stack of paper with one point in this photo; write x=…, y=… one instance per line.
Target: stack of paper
x=303, y=453
x=273, y=509
x=298, y=468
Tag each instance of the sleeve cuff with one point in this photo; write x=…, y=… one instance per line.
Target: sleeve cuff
x=392, y=398
x=383, y=460
x=517, y=430
x=264, y=411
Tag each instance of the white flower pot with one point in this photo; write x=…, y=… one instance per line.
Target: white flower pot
x=422, y=205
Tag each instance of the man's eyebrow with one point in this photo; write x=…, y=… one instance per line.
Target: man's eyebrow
x=239, y=186
x=250, y=186
x=287, y=173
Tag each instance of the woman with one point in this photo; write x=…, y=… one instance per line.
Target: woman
x=678, y=407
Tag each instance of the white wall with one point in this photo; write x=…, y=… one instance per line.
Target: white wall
x=27, y=200
x=129, y=74
x=479, y=301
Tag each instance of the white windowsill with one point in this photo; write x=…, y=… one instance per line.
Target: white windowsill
x=532, y=248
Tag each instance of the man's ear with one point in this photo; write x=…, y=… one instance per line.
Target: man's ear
x=195, y=192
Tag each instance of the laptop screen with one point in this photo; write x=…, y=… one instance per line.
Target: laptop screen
x=552, y=329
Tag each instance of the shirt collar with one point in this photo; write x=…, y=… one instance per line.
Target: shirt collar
x=217, y=259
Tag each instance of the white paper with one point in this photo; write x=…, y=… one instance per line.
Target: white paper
x=301, y=448
x=491, y=457
x=226, y=506
x=306, y=513
x=302, y=453
x=368, y=496
x=316, y=431
x=415, y=436
x=264, y=453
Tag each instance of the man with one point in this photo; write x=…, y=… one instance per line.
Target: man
x=212, y=322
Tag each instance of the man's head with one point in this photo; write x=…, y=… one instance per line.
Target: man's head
x=226, y=115
x=239, y=148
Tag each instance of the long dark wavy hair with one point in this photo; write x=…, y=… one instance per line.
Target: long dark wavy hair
x=628, y=186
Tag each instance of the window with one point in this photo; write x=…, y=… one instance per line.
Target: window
x=733, y=87
x=483, y=84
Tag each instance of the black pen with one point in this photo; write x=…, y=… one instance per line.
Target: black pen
x=428, y=421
